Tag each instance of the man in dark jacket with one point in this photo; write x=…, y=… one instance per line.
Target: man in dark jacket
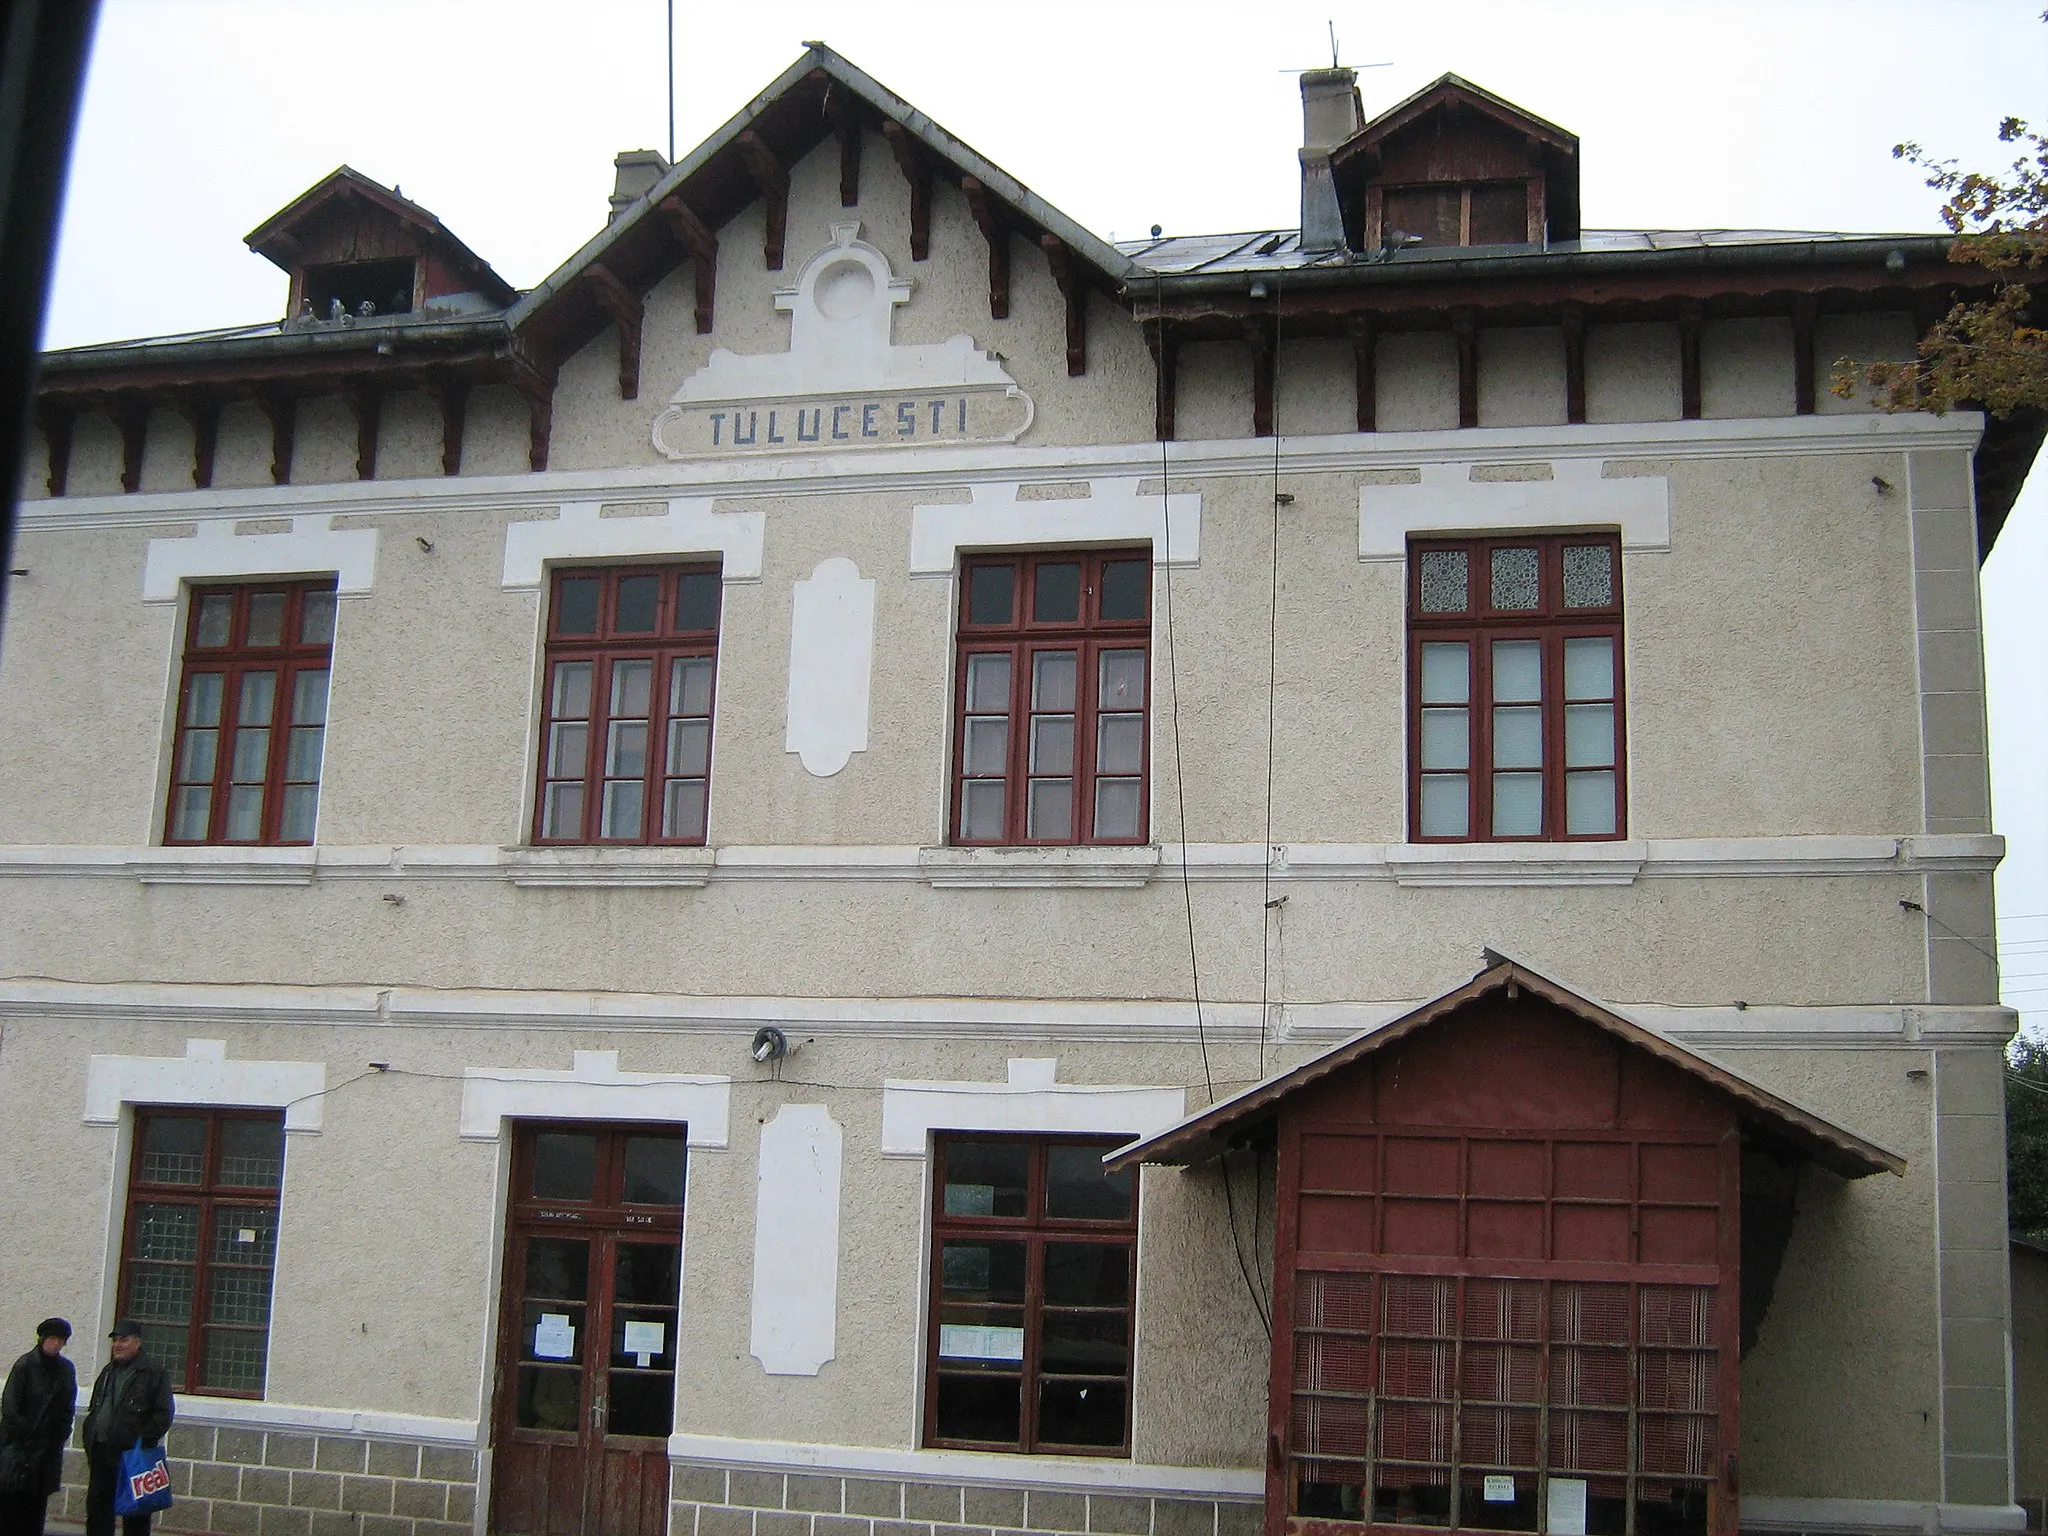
x=131, y=1402
x=36, y=1410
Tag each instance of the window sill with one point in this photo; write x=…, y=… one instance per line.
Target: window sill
x=1441, y=864
x=617, y=868
x=1122, y=868
x=214, y=865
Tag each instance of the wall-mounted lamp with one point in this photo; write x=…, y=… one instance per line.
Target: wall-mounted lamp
x=770, y=1044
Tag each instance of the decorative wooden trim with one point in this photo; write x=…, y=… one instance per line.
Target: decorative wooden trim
x=1074, y=290
x=1165, y=349
x=628, y=313
x=131, y=417
x=988, y=218
x=1258, y=335
x=57, y=422
x=282, y=412
x=1802, y=354
x=917, y=172
x=846, y=128
x=540, y=423
x=772, y=177
x=1689, y=323
x=451, y=397
x=1364, y=363
x=1465, y=327
x=366, y=404
x=697, y=238
x=1575, y=364
x=203, y=413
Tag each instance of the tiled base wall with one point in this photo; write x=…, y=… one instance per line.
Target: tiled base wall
x=252, y=1482
x=717, y=1501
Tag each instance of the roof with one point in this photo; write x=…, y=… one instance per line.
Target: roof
x=276, y=238
x=1448, y=89
x=1207, y=1134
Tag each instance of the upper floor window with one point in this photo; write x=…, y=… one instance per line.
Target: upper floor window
x=625, y=745
x=1515, y=688
x=1488, y=213
x=252, y=714
x=1034, y=1253
x=1051, y=736
x=201, y=1243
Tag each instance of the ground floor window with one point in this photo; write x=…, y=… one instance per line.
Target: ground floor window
x=1034, y=1252
x=201, y=1243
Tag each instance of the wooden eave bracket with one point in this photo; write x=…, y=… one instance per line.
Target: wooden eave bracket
x=537, y=384
x=911, y=160
x=1465, y=329
x=1259, y=336
x=846, y=128
x=1165, y=349
x=281, y=410
x=771, y=176
x=1574, y=320
x=202, y=412
x=57, y=422
x=695, y=237
x=366, y=404
x=628, y=313
x=988, y=218
x=131, y=417
x=1364, y=336
x=1803, y=309
x=1073, y=286
x=451, y=397
x=1691, y=316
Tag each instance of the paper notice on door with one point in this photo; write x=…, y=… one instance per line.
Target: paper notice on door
x=1499, y=1489
x=643, y=1341
x=1567, y=1506
x=554, y=1337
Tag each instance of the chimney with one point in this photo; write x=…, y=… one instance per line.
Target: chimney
x=637, y=170
x=1329, y=116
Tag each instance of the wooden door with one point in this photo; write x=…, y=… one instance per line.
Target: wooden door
x=585, y=1394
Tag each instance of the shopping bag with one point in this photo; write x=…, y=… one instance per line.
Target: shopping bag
x=145, y=1480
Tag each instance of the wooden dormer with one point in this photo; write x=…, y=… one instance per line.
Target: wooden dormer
x=1455, y=165
x=349, y=241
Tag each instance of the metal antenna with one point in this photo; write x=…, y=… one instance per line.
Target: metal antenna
x=1333, y=42
x=671, y=82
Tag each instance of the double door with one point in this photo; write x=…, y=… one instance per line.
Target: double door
x=586, y=1374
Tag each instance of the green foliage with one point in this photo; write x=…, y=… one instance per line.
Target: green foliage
x=1982, y=353
x=2026, y=1137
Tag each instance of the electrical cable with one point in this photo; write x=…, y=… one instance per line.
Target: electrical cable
x=1269, y=913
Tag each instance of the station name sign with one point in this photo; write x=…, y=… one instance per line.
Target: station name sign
x=839, y=422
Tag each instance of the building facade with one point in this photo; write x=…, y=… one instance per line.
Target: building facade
x=872, y=868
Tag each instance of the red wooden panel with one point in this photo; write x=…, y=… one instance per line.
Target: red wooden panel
x=1496, y=1231
x=1421, y=1227
x=1515, y=1168
x=1326, y=1364
x=1504, y=1309
x=1329, y=1427
x=1336, y=1224
x=1501, y=1373
x=1594, y=1234
x=1660, y=1098
x=1416, y=1167
x=1681, y=1173
x=1339, y=1162
x=1506, y=1066
x=1679, y=1236
x=1595, y=1170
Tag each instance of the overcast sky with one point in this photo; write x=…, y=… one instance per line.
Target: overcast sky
x=202, y=117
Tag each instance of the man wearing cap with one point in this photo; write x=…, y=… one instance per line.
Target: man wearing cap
x=131, y=1401
x=36, y=1410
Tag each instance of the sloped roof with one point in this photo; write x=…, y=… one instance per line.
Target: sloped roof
x=276, y=238
x=1455, y=90
x=1206, y=1134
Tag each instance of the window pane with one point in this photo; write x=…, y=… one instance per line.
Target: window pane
x=1589, y=808
x=689, y=748
x=173, y=1150
x=568, y=750
x=1050, y=809
x=631, y=687
x=1076, y=1188
x=1518, y=738
x=252, y=1153
x=558, y=1268
x=302, y=753
x=988, y=685
x=626, y=749
x=1588, y=576
x=990, y=594
x=244, y=1234
x=1052, y=680
x=1056, y=593
x=252, y=756
x=982, y=1408
x=988, y=744
x=201, y=755
x=1589, y=667
x=683, y=808
x=697, y=596
x=234, y=1360
x=562, y=815
x=654, y=1173
x=1081, y=1412
x=645, y=1274
x=1588, y=735
x=1119, y=743
x=1445, y=581
x=1123, y=680
x=202, y=699
x=572, y=691
x=624, y=801
x=316, y=619
x=1517, y=671
x=309, y=698
x=195, y=806
x=295, y=820
x=165, y=1234
x=1518, y=805
x=1446, y=738
x=689, y=687
x=266, y=618
x=564, y=1168
x=1052, y=744
x=1094, y=1343
x=1446, y=672
x=245, y=813
x=160, y=1293
x=1446, y=806
x=1116, y=808
x=639, y=603
x=1087, y=1274
x=1125, y=586
x=259, y=697
x=986, y=1178
x=1516, y=586
x=576, y=605
x=981, y=810
x=216, y=619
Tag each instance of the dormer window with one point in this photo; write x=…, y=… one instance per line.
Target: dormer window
x=1495, y=213
x=361, y=288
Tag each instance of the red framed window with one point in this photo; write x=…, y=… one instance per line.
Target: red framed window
x=201, y=1243
x=1515, y=689
x=1034, y=1253
x=252, y=714
x=625, y=736
x=1051, y=740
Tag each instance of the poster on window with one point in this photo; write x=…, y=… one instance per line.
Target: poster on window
x=969, y=1343
x=554, y=1337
